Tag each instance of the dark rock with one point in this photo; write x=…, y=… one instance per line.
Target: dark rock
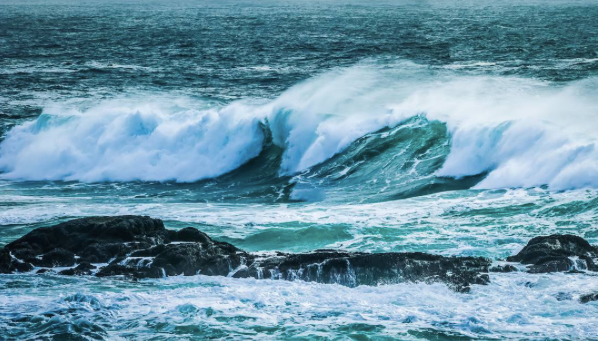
x=22, y=267
x=140, y=247
x=105, y=252
x=9, y=264
x=43, y=271
x=503, y=268
x=552, y=264
x=84, y=268
x=588, y=297
x=76, y=235
x=563, y=296
x=189, y=234
x=211, y=258
x=556, y=253
x=94, y=239
x=353, y=269
x=57, y=257
x=131, y=271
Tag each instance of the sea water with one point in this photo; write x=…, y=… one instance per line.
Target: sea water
x=454, y=128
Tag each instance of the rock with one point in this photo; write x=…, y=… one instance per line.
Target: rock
x=588, y=298
x=84, y=268
x=57, y=257
x=557, y=253
x=43, y=271
x=503, y=268
x=94, y=240
x=353, y=269
x=563, y=296
x=189, y=234
x=96, y=233
x=10, y=264
x=140, y=247
x=211, y=258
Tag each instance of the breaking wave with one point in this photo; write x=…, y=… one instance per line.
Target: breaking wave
x=374, y=127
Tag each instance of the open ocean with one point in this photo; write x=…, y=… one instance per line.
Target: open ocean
x=448, y=127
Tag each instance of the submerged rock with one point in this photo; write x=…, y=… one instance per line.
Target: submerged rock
x=588, y=298
x=557, y=253
x=141, y=247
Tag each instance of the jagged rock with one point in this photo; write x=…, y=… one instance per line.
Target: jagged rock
x=556, y=253
x=588, y=298
x=140, y=247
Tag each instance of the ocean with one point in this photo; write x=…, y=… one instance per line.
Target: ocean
x=448, y=127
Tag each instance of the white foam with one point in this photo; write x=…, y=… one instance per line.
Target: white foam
x=523, y=132
x=122, y=140
x=514, y=306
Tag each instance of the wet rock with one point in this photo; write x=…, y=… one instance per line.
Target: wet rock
x=104, y=252
x=557, y=253
x=189, y=234
x=353, y=269
x=94, y=239
x=588, y=298
x=503, y=268
x=140, y=247
x=211, y=258
x=130, y=271
x=43, y=271
x=84, y=268
x=9, y=264
x=563, y=296
x=57, y=257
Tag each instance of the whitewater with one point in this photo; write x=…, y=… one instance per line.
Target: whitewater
x=521, y=132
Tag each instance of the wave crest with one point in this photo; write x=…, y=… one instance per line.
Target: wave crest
x=519, y=132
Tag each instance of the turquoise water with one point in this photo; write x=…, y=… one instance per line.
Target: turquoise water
x=450, y=128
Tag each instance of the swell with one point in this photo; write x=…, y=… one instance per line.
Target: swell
x=369, y=133
x=392, y=163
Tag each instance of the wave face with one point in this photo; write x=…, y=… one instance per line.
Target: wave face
x=389, y=131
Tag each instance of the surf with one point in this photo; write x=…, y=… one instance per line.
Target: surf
x=387, y=132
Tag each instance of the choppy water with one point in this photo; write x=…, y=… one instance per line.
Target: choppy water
x=447, y=127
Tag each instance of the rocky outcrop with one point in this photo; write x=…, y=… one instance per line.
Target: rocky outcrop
x=141, y=247
x=353, y=269
x=557, y=253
